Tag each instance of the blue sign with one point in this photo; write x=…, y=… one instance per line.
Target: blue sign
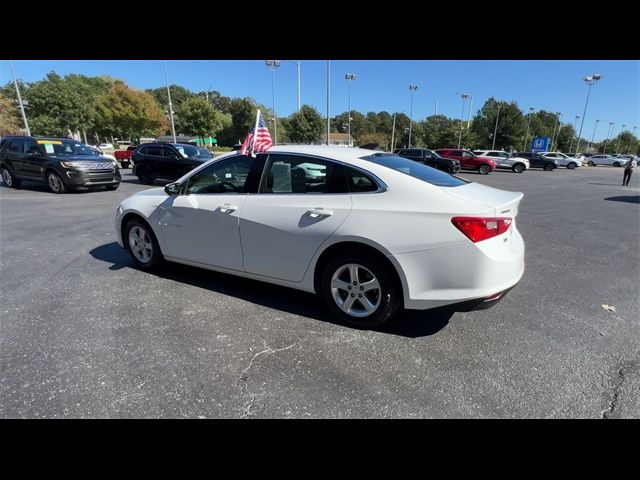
x=540, y=144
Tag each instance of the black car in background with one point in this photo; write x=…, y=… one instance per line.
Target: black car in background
x=538, y=161
x=166, y=161
x=430, y=158
x=61, y=163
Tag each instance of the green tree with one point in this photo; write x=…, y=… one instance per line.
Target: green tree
x=198, y=117
x=129, y=114
x=10, y=121
x=439, y=131
x=511, y=125
x=305, y=126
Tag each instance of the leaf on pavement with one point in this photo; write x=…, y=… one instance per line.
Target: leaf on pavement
x=609, y=308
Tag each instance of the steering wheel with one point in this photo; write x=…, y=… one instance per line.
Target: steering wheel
x=235, y=189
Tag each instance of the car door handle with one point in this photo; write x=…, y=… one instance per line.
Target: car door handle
x=319, y=212
x=227, y=208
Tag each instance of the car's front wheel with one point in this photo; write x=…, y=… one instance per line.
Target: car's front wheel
x=591, y=164
x=548, y=167
x=484, y=169
x=142, y=244
x=8, y=179
x=360, y=291
x=55, y=183
x=518, y=168
x=616, y=164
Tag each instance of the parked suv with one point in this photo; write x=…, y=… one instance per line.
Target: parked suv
x=61, y=163
x=563, y=160
x=166, y=161
x=504, y=160
x=430, y=158
x=468, y=160
x=538, y=161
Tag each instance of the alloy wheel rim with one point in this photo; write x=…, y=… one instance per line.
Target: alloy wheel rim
x=356, y=290
x=140, y=244
x=54, y=182
x=6, y=177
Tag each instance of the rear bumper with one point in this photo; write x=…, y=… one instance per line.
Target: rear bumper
x=470, y=274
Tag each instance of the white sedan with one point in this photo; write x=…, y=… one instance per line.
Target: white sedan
x=595, y=160
x=372, y=233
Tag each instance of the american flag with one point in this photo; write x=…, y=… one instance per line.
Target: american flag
x=262, y=142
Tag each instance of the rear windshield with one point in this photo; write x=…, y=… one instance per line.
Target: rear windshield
x=416, y=170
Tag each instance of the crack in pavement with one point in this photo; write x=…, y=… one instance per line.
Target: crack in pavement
x=615, y=398
x=245, y=374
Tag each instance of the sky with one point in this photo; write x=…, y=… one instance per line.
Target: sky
x=554, y=85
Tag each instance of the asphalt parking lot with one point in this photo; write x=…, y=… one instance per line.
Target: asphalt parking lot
x=85, y=334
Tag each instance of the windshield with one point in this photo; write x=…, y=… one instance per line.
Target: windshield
x=65, y=147
x=416, y=170
x=193, y=151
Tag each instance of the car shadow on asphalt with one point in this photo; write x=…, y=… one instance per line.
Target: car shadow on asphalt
x=407, y=323
x=606, y=184
x=625, y=199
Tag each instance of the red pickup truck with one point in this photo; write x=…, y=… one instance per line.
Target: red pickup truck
x=124, y=156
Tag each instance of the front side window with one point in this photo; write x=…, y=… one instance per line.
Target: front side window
x=468, y=155
x=154, y=151
x=226, y=176
x=31, y=146
x=301, y=175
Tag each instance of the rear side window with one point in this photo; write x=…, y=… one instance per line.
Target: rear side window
x=416, y=170
x=358, y=181
x=156, y=151
x=16, y=146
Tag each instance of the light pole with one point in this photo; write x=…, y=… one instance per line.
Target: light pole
x=612, y=125
x=590, y=80
x=297, y=64
x=633, y=134
x=173, y=126
x=463, y=96
x=594, y=134
x=553, y=137
x=24, y=115
x=495, y=129
x=328, y=96
x=574, y=129
x=273, y=65
x=406, y=131
x=350, y=78
x=526, y=137
x=470, y=108
x=412, y=89
x=620, y=138
x=393, y=133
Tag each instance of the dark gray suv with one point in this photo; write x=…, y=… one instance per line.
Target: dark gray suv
x=61, y=163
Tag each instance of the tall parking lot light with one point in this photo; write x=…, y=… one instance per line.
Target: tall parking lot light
x=297, y=64
x=620, y=138
x=273, y=65
x=594, y=134
x=575, y=126
x=495, y=129
x=412, y=88
x=173, y=127
x=590, y=80
x=350, y=78
x=24, y=115
x=463, y=97
x=612, y=125
x=526, y=137
x=553, y=137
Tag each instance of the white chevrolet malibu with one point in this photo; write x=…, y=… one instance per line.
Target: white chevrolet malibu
x=368, y=231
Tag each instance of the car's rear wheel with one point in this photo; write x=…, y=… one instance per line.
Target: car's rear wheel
x=518, y=168
x=616, y=164
x=548, y=167
x=360, y=291
x=55, y=183
x=572, y=165
x=142, y=244
x=484, y=169
x=591, y=164
x=8, y=179
x=145, y=178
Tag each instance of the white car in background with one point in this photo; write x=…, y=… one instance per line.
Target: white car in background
x=595, y=160
x=505, y=160
x=372, y=233
x=563, y=159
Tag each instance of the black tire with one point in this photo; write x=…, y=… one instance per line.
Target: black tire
x=156, y=257
x=549, y=167
x=616, y=164
x=112, y=187
x=389, y=295
x=518, y=168
x=484, y=169
x=145, y=178
x=591, y=164
x=572, y=165
x=55, y=183
x=8, y=179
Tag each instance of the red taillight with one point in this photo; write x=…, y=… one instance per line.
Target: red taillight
x=477, y=229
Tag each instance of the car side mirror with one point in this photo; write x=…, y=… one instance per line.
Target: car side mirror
x=173, y=189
